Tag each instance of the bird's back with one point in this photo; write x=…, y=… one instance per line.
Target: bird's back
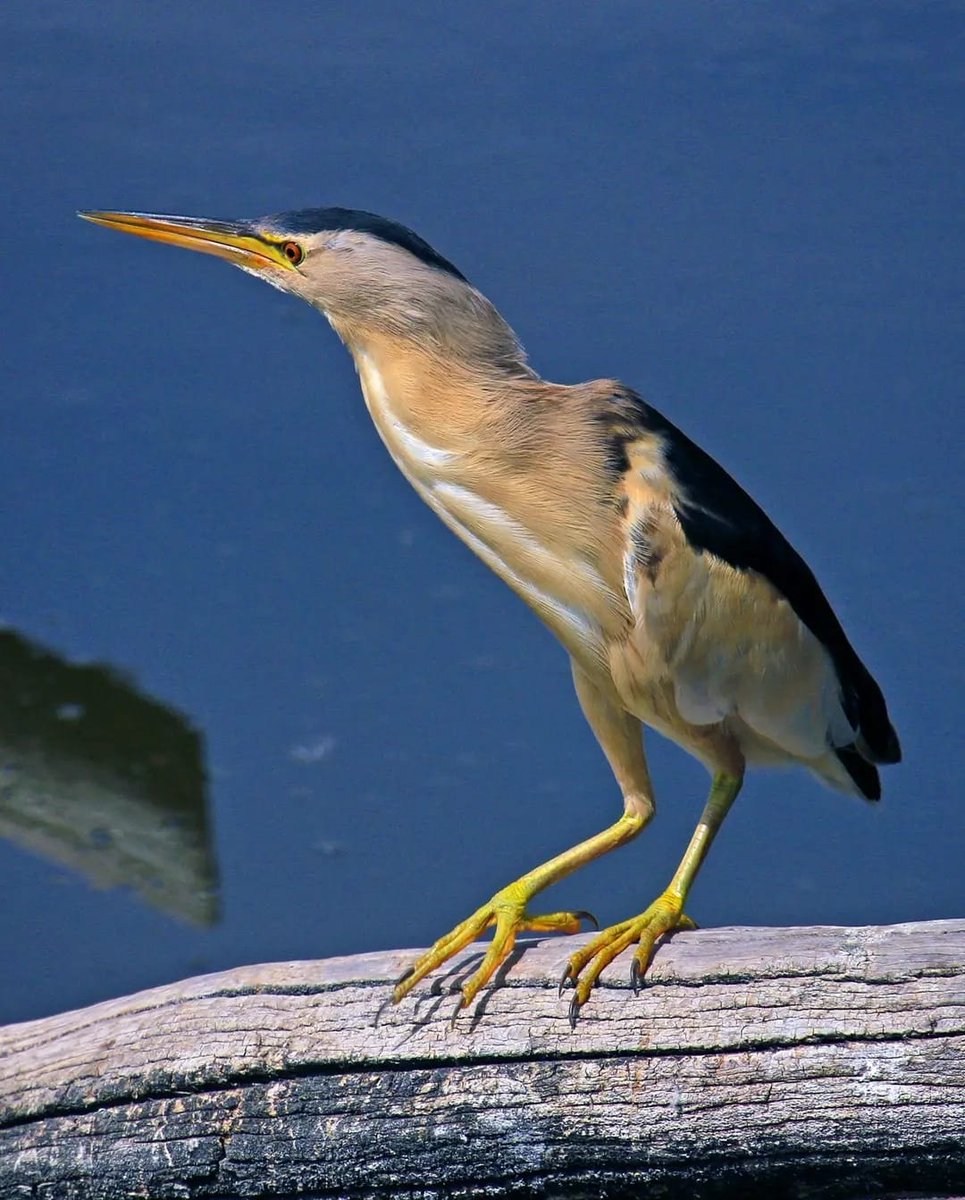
x=733, y=612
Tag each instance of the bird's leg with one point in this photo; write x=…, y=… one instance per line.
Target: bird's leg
x=619, y=735
x=662, y=917
x=507, y=911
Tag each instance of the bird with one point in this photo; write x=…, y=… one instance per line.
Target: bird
x=681, y=605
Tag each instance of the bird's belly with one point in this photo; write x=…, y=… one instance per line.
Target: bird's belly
x=715, y=646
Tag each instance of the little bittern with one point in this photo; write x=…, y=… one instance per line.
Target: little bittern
x=680, y=604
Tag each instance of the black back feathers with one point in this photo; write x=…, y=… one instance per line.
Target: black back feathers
x=719, y=517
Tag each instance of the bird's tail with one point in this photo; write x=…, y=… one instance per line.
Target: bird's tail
x=875, y=739
x=862, y=773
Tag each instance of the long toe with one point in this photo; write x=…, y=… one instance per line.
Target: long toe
x=441, y=951
x=585, y=966
x=507, y=912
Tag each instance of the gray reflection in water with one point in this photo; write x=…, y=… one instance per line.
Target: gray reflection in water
x=98, y=777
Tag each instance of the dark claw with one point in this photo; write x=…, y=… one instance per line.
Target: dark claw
x=404, y=976
x=460, y=1005
x=574, y=1012
x=636, y=977
x=587, y=916
x=566, y=979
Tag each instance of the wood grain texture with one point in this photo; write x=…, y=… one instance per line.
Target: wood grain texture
x=821, y=1062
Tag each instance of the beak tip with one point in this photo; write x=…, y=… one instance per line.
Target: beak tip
x=231, y=240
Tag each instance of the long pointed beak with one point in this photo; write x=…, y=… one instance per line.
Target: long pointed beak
x=231, y=240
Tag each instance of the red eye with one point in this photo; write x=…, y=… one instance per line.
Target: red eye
x=293, y=252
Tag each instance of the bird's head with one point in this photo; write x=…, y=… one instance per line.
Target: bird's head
x=364, y=272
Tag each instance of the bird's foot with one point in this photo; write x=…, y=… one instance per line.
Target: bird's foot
x=583, y=969
x=507, y=912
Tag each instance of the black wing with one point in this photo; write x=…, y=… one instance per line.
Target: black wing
x=718, y=516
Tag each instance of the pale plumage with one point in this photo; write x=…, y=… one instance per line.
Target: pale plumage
x=681, y=605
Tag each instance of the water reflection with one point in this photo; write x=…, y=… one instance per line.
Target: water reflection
x=104, y=780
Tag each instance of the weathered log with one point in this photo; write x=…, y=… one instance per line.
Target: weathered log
x=819, y=1062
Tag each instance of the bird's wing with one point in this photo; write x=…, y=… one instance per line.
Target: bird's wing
x=718, y=517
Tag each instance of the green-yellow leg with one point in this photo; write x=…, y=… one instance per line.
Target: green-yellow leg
x=662, y=917
x=507, y=911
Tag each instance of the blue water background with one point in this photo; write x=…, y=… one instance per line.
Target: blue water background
x=750, y=213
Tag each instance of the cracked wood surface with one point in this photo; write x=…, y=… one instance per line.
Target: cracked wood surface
x=819, y=1061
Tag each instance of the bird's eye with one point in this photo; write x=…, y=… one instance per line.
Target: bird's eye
x=293, y=252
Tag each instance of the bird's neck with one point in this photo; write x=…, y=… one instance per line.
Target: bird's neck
x=425, y=407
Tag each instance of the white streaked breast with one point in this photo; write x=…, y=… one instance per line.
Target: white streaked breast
x=574, y=626
x=476, y=521
x=490, y=518
x=410, y=451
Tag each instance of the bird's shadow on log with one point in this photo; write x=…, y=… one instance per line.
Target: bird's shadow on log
x=498, y=980
x=449, y=981
x=441, y=988
x=448, y=984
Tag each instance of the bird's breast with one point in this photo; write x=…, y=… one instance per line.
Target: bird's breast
x=563, y=588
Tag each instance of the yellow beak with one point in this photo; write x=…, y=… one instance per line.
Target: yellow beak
x=231, y=240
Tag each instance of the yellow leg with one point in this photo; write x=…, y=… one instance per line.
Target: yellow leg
x=507, y=911
x=662, y=917
x=620, y=737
